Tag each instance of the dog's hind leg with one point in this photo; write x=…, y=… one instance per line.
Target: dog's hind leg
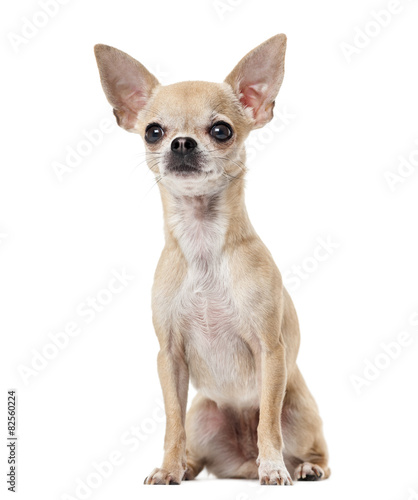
x=306, y=453
x=195, y=437
x=223, y=440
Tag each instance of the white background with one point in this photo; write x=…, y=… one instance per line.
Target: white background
x=323, y=175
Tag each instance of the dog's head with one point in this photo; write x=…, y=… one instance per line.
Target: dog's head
x=194, y=132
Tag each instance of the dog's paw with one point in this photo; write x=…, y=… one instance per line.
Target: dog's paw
x=271, y=472
x=164, y=476
x=308, y=472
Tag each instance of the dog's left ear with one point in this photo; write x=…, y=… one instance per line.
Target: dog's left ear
x=127, y=84
x=257, y=78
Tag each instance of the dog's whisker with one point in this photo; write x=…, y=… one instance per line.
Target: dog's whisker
x=157, y=180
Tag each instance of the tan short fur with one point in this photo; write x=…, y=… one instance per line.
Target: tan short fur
x=221, y=313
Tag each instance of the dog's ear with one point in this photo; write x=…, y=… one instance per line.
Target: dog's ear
x=257, y=78
x=126, y=83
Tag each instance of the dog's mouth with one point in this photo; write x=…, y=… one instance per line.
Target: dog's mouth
x=188, y=165
x=183, y=169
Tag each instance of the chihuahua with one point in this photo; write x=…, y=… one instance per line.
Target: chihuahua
x=220, y=311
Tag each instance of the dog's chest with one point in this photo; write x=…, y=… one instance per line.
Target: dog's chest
x=221, y=363
x=207, y=307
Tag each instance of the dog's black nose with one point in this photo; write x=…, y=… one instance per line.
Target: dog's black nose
x=183, y=145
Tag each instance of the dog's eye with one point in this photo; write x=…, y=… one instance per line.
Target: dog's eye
x=153, y=133
x=221, y=131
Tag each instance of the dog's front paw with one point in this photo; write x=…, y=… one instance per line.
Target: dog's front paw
x=165, y=476
x=274, y=472
x=308, y=472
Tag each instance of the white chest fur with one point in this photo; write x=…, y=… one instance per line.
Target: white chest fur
x=220, y=362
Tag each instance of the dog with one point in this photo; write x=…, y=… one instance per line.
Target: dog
x=220, y=311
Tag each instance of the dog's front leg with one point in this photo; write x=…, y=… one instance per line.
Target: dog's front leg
x=174, y=379
x=272, y=469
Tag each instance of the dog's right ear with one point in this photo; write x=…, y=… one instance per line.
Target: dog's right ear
x=126, y=83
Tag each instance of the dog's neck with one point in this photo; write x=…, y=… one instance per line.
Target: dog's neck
x=204, y=227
